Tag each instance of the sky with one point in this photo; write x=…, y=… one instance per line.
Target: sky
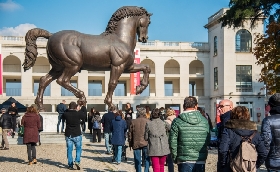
x=176, y=20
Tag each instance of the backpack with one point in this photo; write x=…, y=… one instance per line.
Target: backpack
x=95, y=125
x=246, y=158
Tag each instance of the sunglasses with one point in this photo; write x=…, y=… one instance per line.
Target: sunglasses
x=222, y=106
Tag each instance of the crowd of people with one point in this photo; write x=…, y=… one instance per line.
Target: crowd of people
x=160, y=137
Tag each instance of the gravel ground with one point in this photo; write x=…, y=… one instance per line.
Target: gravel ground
x=52, y=158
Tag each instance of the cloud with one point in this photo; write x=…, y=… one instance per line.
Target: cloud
x=19, y=30
x=9, y=5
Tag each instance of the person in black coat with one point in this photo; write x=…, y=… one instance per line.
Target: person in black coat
x=83, y=109
x=90, y=116
x=271, y=134
x=237, y=127
x=6, y=122
x=128, y=114
x=13, y=111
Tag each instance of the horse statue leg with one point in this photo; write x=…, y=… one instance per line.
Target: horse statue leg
x=44, y=82
x=146, y=71
x=64, y=81
x=115, y=74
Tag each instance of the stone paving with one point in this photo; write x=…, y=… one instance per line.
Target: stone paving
x=52, y=158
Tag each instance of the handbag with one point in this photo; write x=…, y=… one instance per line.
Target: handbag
x=21, y=131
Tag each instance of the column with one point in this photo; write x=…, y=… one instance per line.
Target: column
x=159, y=77
x=53, y=108
x=26, y=83
x=83, y=82
x=184, y=77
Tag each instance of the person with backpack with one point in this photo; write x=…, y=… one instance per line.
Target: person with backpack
x=271, y=134
x=6, y=123
x=96, y=127
x=240, y=140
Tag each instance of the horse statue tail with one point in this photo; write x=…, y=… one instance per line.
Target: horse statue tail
x=31, y=46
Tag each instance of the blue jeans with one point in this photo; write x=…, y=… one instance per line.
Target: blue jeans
x=170, y=163
x=58, y=123
x=137, y=159
x=77, y=141
x=273, y=170
x=118, y=153
x=191, y=167
x=108, y=138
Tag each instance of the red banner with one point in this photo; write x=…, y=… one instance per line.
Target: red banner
x=135, y=77
x=1, y=71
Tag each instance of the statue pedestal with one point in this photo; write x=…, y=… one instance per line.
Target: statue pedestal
x=50, y=121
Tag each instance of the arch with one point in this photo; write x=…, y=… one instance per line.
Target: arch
x=150, y=63
x=243, y=41
x=171, y=67
x=11, y=63
x=196, y=67
x=41, y=65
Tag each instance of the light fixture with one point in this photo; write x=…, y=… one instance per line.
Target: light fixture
x=230, y=93
x=230, y=97
x=147, y=57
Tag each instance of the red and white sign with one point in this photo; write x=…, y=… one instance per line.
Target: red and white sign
x=135, y=77
x=1, y=71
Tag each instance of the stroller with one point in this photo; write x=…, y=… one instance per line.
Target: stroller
x=123, y=157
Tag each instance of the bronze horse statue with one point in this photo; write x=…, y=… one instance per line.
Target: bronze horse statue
x=70, y=51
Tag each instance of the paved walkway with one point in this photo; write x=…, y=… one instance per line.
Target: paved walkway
x=52, y=158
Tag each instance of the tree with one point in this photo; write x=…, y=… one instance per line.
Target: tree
x=241, y=10
x=267, y=50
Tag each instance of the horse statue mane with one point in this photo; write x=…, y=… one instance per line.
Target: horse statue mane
x=121, y=13
x=70, y=52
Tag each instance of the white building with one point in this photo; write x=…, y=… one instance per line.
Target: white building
x=222, y=68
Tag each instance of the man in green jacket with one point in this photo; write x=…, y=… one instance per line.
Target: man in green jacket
x=189, y=137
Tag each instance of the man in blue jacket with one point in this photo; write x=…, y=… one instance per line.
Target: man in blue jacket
x=60, y=108
x=107, y=123
x=271, y=134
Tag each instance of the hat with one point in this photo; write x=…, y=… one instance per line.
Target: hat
x=141, y=111
x=274, y=100
x=3, y=109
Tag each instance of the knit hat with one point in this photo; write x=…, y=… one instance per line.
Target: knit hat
x=274, y=100
x=141, y=111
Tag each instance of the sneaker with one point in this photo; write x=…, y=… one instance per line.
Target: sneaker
x=5, y=149
x=71, y=168
x=108, y=153
x=78, y=165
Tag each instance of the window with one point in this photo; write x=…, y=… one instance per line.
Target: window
x=215, y=78
x=13, y=87
x=47, y=91
x=146, y=92
x=215, y=46
x=120, y=89
x=95, y=88
x=243, y=41
x=244, y=78
x=65, y=92
x=168, y=88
